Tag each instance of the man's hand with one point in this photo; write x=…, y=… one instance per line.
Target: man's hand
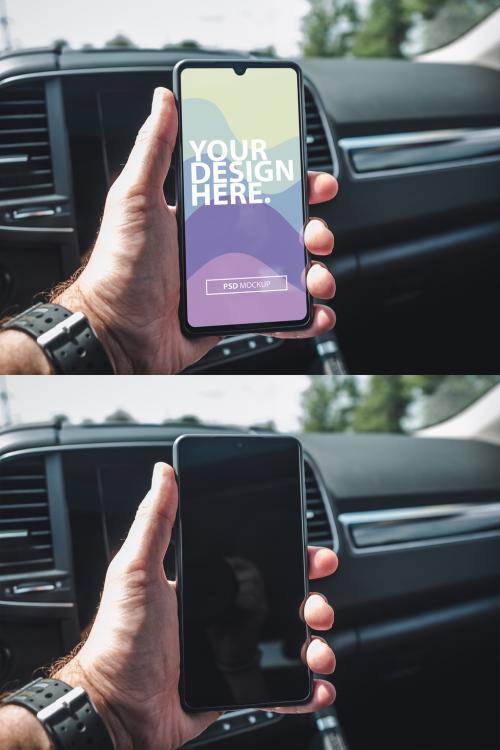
x=129, y=664
x=129, y=289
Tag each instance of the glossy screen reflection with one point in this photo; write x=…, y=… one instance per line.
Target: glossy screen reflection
x=243, y=571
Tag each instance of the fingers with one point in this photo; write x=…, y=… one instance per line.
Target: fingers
x=149, y=160
x=320, y=281
x=149, y=535
x=317, y=612
x=322, y=187
x=323, y=695
x=321, y=562
x=318, y=238
x=318, y=656
x=323, y=321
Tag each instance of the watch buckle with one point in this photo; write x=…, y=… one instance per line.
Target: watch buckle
x=64, y=703
x=63, y=330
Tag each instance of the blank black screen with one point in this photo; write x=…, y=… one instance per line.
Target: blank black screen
x=243, y=571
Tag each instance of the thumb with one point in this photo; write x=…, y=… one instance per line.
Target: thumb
x=149, y=536
x=149, y=161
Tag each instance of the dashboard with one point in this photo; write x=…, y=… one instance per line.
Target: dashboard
x=415, y=521
x=416, y=149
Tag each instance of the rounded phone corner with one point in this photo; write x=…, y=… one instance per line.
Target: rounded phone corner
x=188, y=330
x=179, y=66
x=294, y=65
x=310, y=690
x=306, y=320
x=188, y=707
x=307, y=697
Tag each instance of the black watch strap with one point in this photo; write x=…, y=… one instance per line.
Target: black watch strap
x=67, y=338
x=67, y=713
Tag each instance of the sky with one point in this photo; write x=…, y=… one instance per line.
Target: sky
x=235, y=24
x=238, y=400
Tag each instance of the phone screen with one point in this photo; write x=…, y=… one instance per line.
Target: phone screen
x=243, y=209
x=242, y=568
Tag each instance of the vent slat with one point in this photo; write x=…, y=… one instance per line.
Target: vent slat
x=319, y=156
x=318, y=526
x=28, y=519
x=26, y=144
x=22, y=103
x=23, y=116
x=16, y=131
x=44, y=186
x=24, y=509
x=25, y=491
x=14, y=567
x=24, y=132
x=25, y=505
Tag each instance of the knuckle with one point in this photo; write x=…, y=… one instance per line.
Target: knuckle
x=128, y=199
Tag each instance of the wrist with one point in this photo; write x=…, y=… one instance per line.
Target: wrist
x=21, y=730
x=73, y=674
x=75, y=300
x=21, y=355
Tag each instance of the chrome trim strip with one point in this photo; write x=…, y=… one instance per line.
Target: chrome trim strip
x=371, y=531
x=447, y=140
x=21, y=534
x=416, y=138
x=43, y=605
x=37, y=230
x=32, y=588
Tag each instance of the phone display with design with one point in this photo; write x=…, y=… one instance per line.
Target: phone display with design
x=241, y=571
x=242, y=204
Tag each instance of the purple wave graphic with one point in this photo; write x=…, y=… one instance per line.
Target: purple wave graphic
x=247, y=308
x=253, y=229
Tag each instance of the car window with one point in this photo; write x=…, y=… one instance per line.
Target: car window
x=350, y=403
x=313, y=28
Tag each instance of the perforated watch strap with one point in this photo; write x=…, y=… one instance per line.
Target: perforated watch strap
x=67, y=338
x=67, y=713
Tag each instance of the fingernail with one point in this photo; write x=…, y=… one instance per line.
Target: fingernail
x=157, y=98
x=318, y=224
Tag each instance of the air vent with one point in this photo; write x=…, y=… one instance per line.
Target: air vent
x=25, y=535
x=25, y=161
x=319, y=531
x=319, y=155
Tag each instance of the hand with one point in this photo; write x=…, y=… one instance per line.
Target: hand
x=129, y=664
x=129, y=289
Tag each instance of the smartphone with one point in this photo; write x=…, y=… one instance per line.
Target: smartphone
x=241, y=571
x=241, y=196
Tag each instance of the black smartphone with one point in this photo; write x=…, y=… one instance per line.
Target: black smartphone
x=241, y=571
x=241, y=196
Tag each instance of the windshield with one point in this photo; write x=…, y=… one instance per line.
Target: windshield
x=314, y=28
x=351, y=403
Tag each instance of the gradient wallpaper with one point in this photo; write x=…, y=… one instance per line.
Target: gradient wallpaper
x=242, y=196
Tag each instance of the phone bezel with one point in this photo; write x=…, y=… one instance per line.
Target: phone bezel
x=270, y=326
x=177, y=533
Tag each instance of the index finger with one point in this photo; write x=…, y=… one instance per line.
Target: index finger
x=322, y=187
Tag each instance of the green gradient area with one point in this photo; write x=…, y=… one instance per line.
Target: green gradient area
x=262, y=103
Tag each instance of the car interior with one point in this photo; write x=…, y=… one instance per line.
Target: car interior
x=416, y=524
x=416, y=149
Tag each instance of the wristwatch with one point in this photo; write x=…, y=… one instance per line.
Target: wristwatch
x=67, y=338
x=68, y=714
